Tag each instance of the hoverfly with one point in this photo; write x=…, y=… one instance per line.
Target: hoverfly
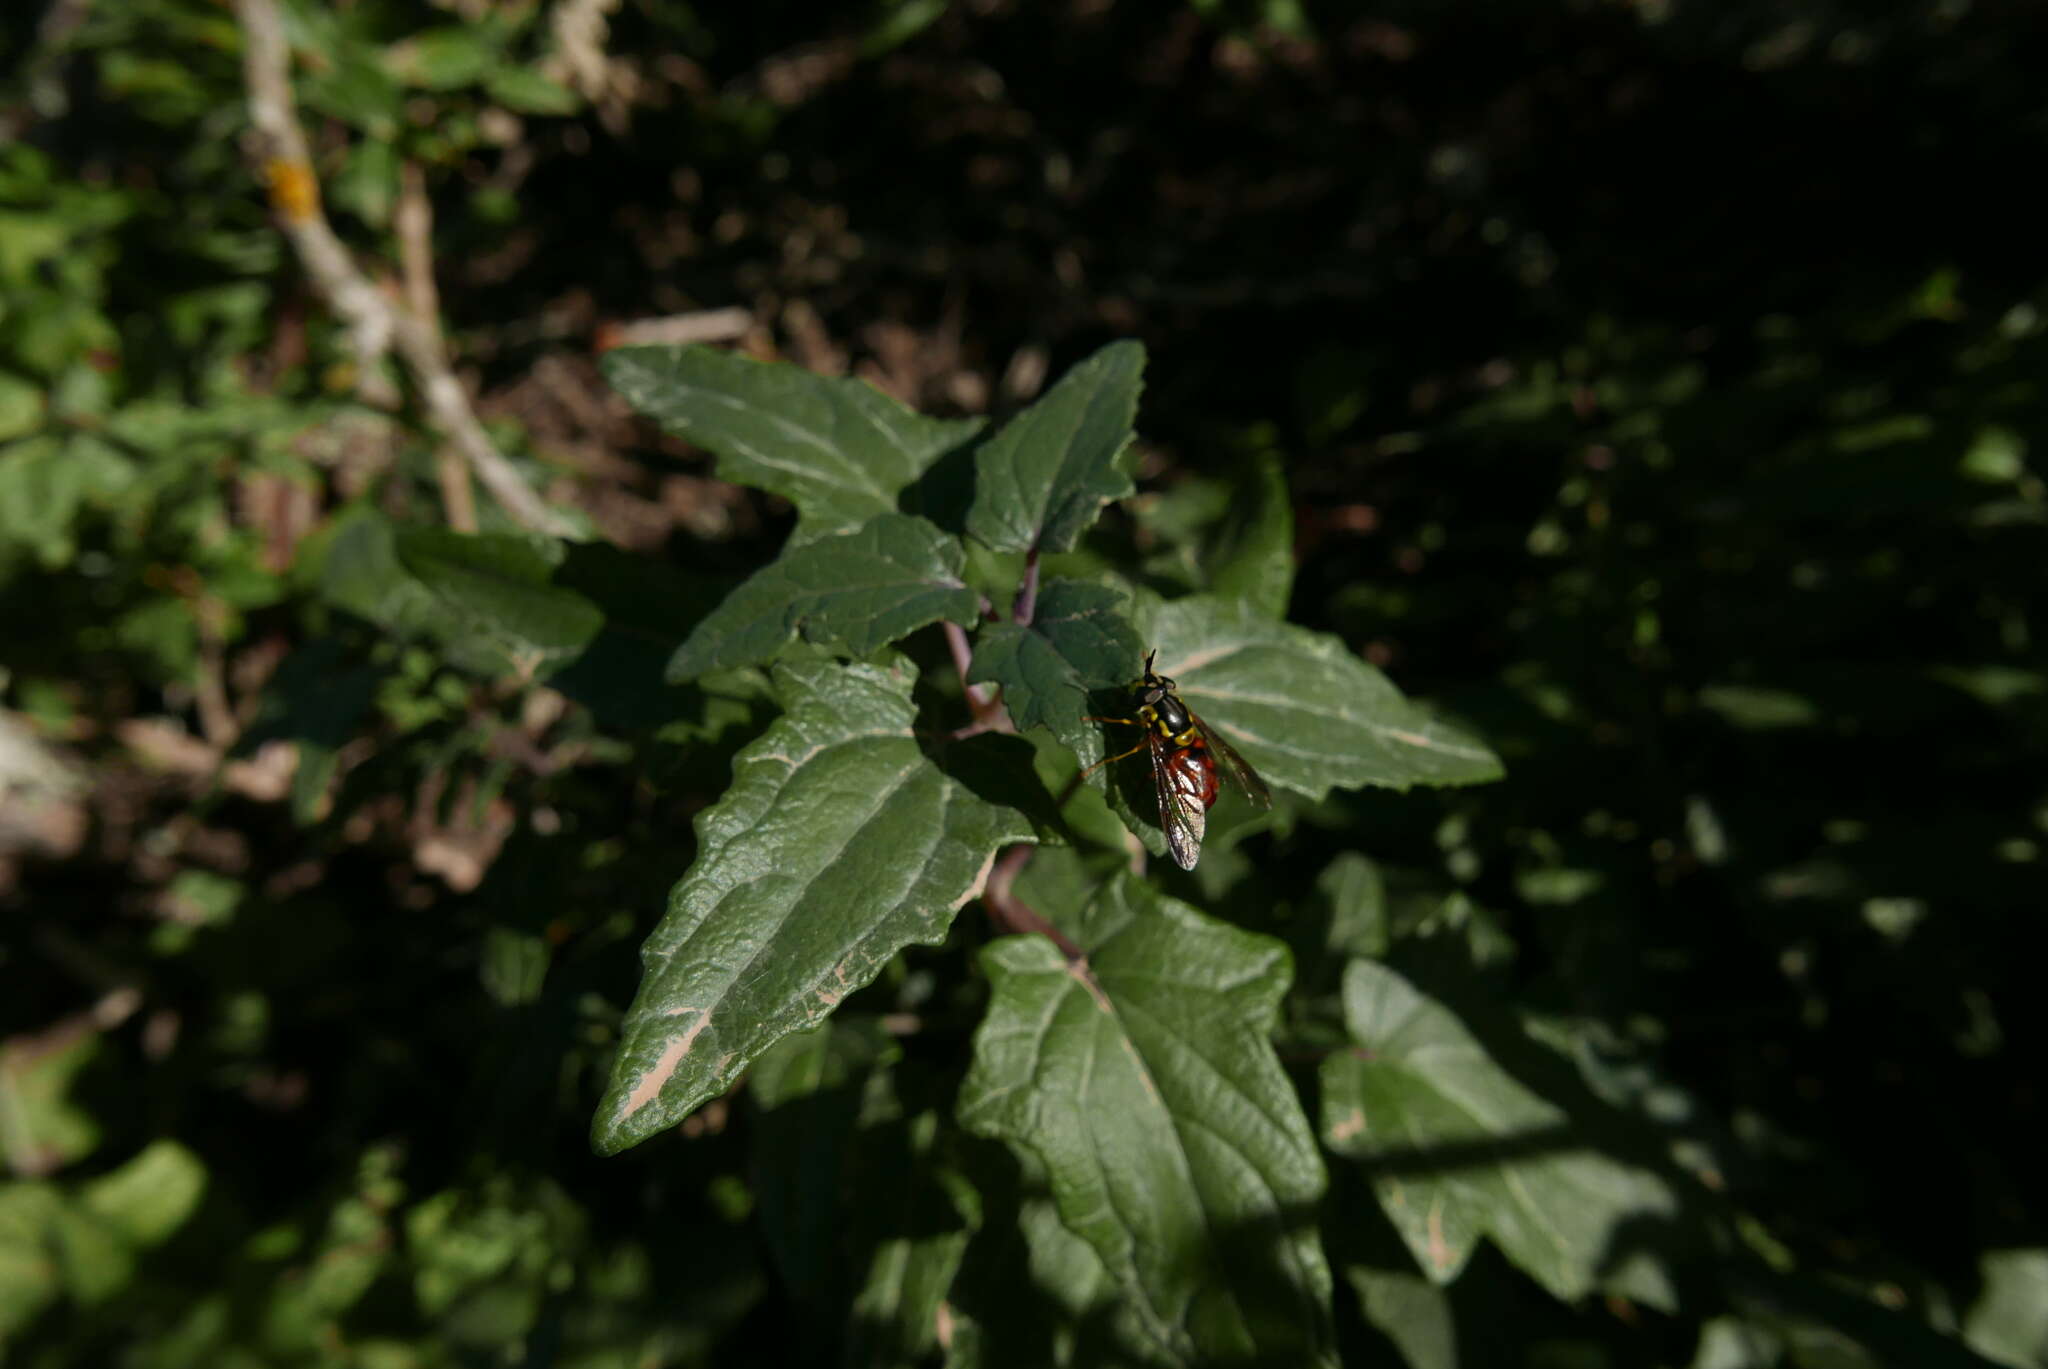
x=1184, y=751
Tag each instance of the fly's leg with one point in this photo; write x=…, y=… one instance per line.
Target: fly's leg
x=1127, y=722
x=1107, y=759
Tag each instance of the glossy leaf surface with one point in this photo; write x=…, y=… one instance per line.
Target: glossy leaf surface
x=837, y=845
x=1174, y=1145
x=837, y=448
x=1457, y=1148
x=1042, y=481
x=1302, y=708
x=856, y=591
x=1079, y=640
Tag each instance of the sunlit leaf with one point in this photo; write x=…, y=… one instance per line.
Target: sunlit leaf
x=1174, y=1144
x=856, y=591
x=2009, y=1320
x=1079, y=640
x=912, y=1244
x=1305, y=712
x=1411, y=1312
x=1041, y=481
x=1457, y=1149
x=838, y=449
x=447, y=57
x=527, y=91
x=28, y=1276
x=149, y=1197
x=47, y=1127
x=837, y=845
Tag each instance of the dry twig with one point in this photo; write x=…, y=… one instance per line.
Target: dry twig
x=376, y=321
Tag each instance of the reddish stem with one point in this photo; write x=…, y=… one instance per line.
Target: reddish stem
x=1012, y=915
x=1027, y=596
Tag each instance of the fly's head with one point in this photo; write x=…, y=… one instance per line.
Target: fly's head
x=1154, y=686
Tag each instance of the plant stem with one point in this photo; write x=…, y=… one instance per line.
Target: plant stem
x=987, y=714
x=1009, y=914
x=377, y=322
x=1027, y=596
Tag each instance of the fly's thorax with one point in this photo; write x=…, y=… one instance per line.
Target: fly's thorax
x=1173, y=715
x=1160, y=709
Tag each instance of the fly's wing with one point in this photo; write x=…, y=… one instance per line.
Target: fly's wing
x=1242, y=776
x=1181, y=814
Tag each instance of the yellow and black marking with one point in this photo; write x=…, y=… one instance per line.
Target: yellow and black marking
x=1184, y=752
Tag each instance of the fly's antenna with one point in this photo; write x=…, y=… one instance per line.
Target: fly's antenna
x=1148, y=659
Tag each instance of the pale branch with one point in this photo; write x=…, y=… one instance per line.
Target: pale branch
x=376, y=322
x=413, y=223
x=702, y=325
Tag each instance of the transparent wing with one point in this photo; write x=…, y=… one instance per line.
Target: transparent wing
x=1181, y=814
x=1235, y=767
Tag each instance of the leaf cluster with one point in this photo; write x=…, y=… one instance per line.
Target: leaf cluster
x=1652, y=389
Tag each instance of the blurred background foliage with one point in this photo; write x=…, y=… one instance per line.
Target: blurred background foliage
x=1656, y=384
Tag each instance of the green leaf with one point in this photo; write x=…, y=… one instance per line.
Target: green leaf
x=317, y=698
x=915, y=1243
x=1001, y=767
x=1079, y=640
x=45, y=486
x=1411, y=1312
x=833, y=1130
x=1042, y=481
x=360, y=573
x=445, y=58
x=367, y=184
x=353, y=84
x=1732, y=1343
x=649, y=607
x=1253, y=555
x=838, y=449
x=1175, y=1146
x=837, y=845
x=808, y=1087
x=21, y=404
x=498, y=586
x=513, y=967
x=1030, y=1293
x=527, y=91
x=96, y=1262
x=1305, y=712
x=42, y=1128
x=899, y=22
x=856, y=592
x=1355, y=897
x=150, y=1197
x=1457, y=1149
x=28, y=1276
x=2009, y=1320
